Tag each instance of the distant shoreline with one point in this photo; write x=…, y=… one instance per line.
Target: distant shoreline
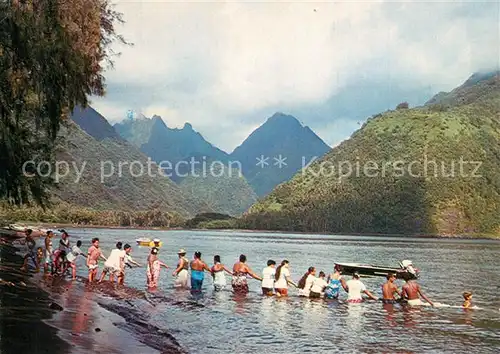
x=250, y=231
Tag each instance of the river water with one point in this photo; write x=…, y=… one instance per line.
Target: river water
x=220, y=322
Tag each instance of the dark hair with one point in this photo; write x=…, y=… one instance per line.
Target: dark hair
x=270, y=262
x=302, y=281
x=49, y=232
x=390, y=275
x=217, y=259
x=467, y=294
x=63, y=232
x=278, y=270
x=119, y=245
x=355, y=275
x=337, y=268
x=243, y=258
x=78, y=243
x=95, y=239
x=127, y=246
x=197, y=254
x=321, y=274
x=154, y=250
x=28, y=231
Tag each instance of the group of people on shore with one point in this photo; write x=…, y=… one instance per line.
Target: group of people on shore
x=275, y=280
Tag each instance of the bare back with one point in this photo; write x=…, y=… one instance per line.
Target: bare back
x=388, y=290
x=411, y=290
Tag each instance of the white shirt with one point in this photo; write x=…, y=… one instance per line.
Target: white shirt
x=114, y=258
x=356, y=287
x=318, y=285
x=268, y=277
x=281, y=282
x=75, y=252
x=307, y=288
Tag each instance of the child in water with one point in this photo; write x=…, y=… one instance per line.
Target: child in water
x=467, y=300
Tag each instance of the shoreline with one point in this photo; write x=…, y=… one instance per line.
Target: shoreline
x=39, y=313
x=250, y=231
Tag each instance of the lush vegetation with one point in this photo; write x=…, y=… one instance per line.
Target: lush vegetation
x=64, y=213
x=121, y=189
x=211, y=221
x=51, y=57
x=461, y=126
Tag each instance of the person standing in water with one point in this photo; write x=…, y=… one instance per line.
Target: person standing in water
x=282, y=278
x=153, y=268
x=412, y=293
x=218, y=276
x=318, y=286
x=467, y=300
x=268, y=275
x=354, y=289
x=48, y=252
x=389, y=289
x=240, y=272
x=181, y=273
x=73, y=255
x=93, y=255
x=198, y=268
x=305, y=283
x=64, y=242
x=115, y=263
x=335, y=281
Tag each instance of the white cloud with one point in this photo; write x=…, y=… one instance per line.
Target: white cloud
x=219, y=65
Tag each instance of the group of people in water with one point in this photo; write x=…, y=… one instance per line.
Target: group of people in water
x=275, y=279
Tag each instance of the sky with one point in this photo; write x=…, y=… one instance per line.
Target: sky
x=225, y=67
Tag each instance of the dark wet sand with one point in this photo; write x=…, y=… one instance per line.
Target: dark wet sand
x=101, y=318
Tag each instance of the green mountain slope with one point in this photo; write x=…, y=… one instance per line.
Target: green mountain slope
x=125, y=190
x=226, y=192
x=281, y=136
x=428, y=170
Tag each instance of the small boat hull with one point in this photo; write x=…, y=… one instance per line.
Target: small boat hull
x=147, y=243
x=375, y=271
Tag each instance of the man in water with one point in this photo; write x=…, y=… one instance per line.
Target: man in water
x=412, y=293
x=389, y=289
x=354, y=289
x=93, y=255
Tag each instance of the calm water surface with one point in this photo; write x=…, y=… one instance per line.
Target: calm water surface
x=220, y=322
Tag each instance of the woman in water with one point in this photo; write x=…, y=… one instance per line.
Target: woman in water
x=355, y=288
x=153, y=268
x=181, y=272
x=305, y=283
x=240, y=272
x=218, y=270
x=198, y=268
x=282, y=278
x=335, y=281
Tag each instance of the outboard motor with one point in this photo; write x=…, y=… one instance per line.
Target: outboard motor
x=407, y=265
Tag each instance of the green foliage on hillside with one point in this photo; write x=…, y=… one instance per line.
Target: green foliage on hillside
x=224, y=190
x=210, y=220
x=123, y=190
x=439, y=145
x=65, y=213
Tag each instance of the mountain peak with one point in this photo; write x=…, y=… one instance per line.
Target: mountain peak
x=187, y=126
x=283, y=118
